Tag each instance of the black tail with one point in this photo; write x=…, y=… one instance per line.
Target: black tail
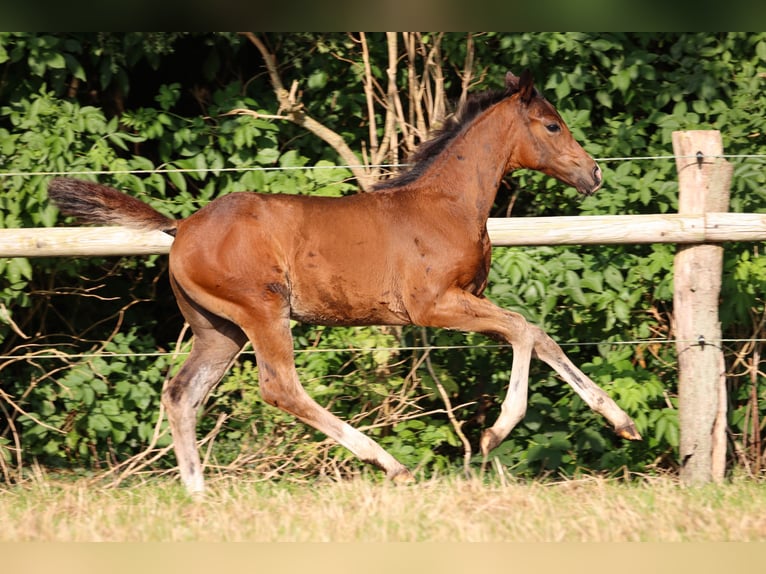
x=98, y=204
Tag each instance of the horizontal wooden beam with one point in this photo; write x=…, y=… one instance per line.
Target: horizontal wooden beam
x=570, y=230
x=81, y=242
x=612, y=229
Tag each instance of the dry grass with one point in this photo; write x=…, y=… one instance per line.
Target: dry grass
x=437, y=510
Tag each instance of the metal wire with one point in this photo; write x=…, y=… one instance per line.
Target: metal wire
x=308, y=168
x=64, y=356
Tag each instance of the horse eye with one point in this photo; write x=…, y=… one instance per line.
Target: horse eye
x=553, y=128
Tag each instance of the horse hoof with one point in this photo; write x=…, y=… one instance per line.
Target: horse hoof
x=628, y=432
x=489, y=440
x=403, y=477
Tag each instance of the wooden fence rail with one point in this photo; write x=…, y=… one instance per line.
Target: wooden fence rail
x=570, y=230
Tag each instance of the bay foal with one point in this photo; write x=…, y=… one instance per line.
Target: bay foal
x=413, y=251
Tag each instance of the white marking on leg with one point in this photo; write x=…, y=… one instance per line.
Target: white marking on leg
x=367, y=450
x=593, y=395
x=514, y=405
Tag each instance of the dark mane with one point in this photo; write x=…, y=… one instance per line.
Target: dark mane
x=453, y=125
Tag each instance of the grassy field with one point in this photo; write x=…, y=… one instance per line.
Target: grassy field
x=436, y=510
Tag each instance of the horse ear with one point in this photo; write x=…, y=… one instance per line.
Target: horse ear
x=526, y=86
x=511, y=82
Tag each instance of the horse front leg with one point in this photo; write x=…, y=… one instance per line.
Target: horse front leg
x=514, y=405
x=460, y=310
x=549, y=351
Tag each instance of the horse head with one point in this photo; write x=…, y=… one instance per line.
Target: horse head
x=549, y=146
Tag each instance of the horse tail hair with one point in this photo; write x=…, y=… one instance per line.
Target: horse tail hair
x=93, y=203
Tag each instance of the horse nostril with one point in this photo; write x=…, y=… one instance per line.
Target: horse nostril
x=597, y=174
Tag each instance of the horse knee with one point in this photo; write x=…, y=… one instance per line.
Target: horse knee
x=522, y=333
x=543, y=343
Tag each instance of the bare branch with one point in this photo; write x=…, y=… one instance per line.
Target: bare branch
x=438, y=101
x=369, y=95
x=456, y=424
x=6, y=318
x=253, y=113
x=390, y=137
x=394, y=100
x=467, y=74
x=294, y=112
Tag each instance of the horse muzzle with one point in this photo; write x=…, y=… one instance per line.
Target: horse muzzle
x=591, y=186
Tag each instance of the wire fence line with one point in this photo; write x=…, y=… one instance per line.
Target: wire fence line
x=192, y=170
x=491, y=346
x=160, y=170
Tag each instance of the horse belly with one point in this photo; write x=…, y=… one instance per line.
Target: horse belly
x=341, y=300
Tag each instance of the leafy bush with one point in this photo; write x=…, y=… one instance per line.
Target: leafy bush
x=110, y=104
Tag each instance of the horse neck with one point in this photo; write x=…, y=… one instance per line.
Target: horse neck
x=468, y=172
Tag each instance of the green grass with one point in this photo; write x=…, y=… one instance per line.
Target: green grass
x=361, y=510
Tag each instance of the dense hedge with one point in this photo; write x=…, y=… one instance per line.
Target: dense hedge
x=117, y=103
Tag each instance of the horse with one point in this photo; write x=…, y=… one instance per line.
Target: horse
x=412, y=251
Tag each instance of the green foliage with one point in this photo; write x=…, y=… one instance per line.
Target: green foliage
x=109, y=104
x=100, y=402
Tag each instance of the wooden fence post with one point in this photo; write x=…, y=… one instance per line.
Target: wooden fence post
x=704, y=182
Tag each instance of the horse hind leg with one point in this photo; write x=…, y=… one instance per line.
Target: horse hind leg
x=281, y=387
x=208, y=362
x=215, y=346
